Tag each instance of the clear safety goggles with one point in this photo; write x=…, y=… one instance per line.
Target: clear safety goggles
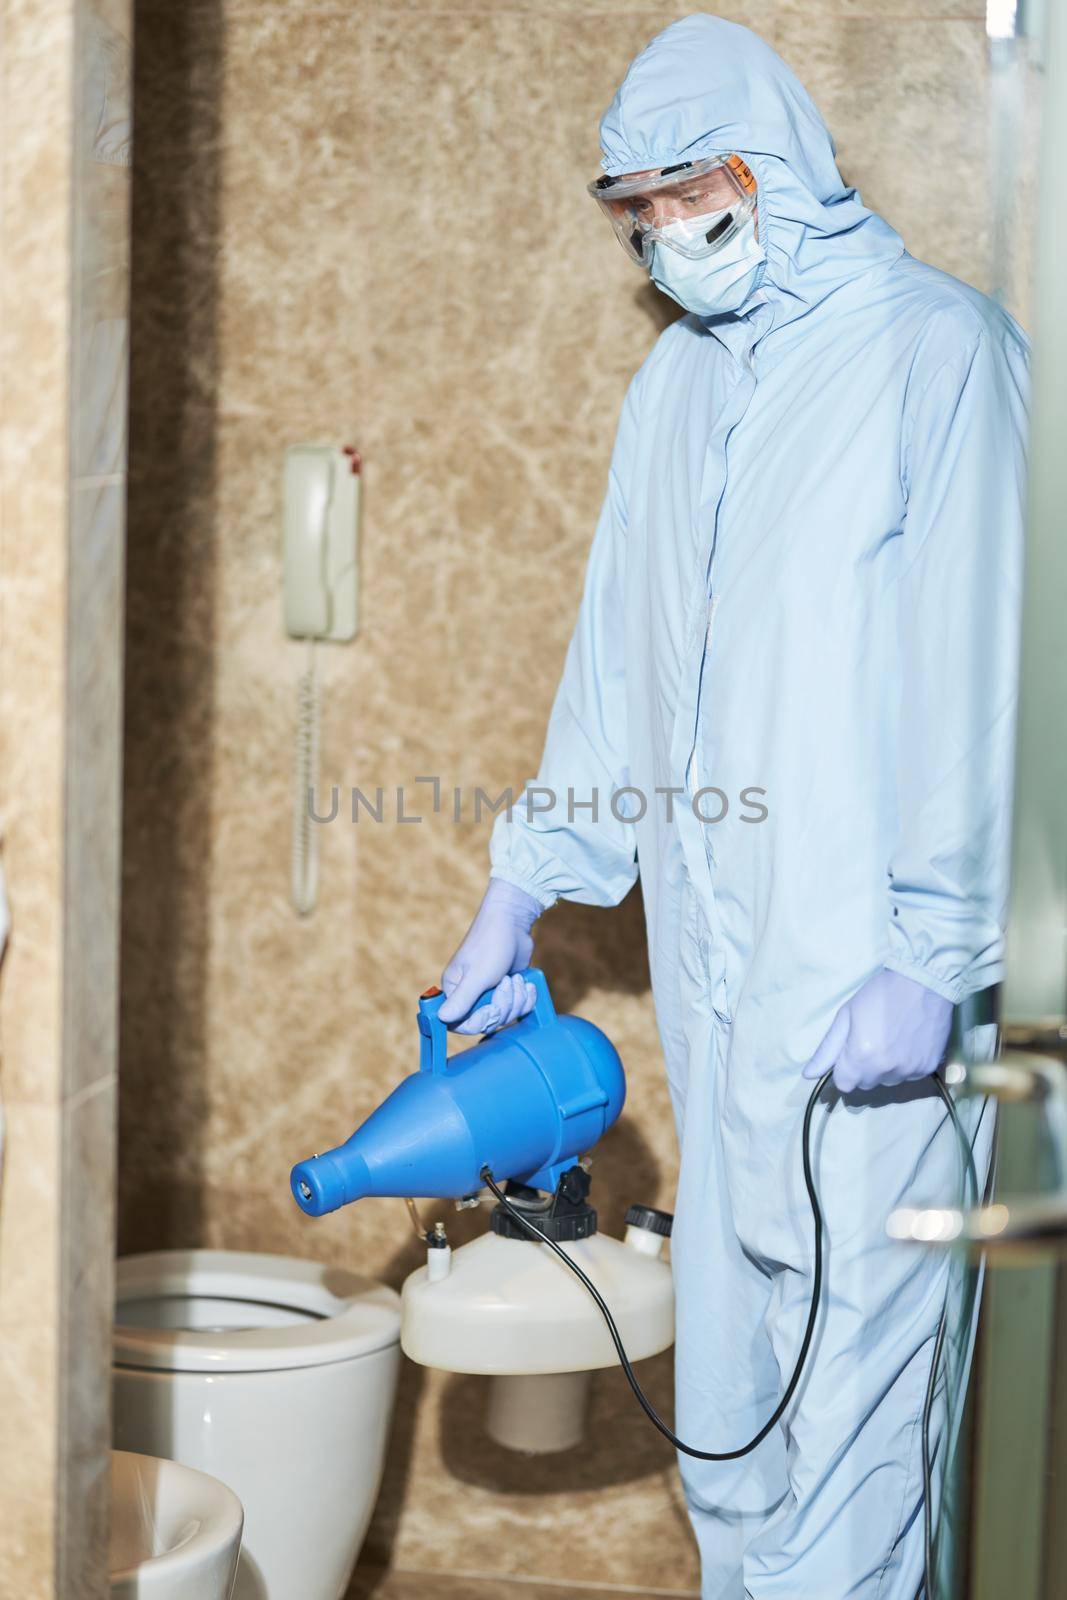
x=695, y=207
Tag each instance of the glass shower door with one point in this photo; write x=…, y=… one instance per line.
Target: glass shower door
x=1003, y=1529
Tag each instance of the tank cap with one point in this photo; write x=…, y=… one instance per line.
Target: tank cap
x=660, y=1222
x=565, y=1225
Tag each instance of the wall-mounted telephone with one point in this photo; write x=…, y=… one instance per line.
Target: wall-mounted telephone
x=321, y=521
x=320, y=537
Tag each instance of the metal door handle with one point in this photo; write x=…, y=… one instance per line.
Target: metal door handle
x=1022, y=1222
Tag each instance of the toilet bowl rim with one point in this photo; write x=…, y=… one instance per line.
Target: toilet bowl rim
x=355, y=1316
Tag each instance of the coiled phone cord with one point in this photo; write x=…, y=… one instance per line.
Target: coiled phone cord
x=809, y=1329
x=304, y=875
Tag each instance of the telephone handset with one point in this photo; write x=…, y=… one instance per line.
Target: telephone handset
x=320, y=521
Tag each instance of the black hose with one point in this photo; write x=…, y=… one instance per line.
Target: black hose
x=805, y=1344
x=970, y=1175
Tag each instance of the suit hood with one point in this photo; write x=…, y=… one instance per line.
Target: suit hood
x=706, y=87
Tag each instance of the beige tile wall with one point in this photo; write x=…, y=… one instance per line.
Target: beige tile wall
x=63, y=335
x=367, y=223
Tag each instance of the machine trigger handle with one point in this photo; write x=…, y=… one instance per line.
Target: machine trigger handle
x=433, y=1044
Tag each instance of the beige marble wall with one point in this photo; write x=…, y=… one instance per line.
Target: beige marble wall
x=367, y=223
x=34, y=285
x=63, y=320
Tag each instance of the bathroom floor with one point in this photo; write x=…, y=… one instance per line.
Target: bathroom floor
x=424, y=1586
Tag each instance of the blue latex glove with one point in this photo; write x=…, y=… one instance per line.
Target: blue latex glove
x=496, y=947
x=893, y=1030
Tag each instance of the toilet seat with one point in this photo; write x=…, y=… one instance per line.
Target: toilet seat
x=319, y=1314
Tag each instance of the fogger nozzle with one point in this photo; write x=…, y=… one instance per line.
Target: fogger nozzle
x=327, y=1182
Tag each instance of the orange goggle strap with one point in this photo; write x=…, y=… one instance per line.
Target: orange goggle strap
x=742, y=173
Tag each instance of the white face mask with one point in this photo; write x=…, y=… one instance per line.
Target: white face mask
x=713, y=284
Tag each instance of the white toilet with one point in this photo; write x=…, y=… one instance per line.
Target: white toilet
x=276, y=1376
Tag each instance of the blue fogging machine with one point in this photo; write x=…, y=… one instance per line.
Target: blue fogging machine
x=525, y=1103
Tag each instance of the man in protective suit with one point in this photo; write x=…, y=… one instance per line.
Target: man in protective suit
x=796, y=653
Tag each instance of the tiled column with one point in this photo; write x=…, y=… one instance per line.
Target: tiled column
x=64, y=67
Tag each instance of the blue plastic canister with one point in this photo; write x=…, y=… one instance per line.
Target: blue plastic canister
x=525, y=1102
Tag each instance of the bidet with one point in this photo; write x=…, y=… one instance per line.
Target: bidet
x=175, y=1533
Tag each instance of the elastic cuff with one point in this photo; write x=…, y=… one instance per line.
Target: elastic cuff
x=953, y=991
x=516, y=881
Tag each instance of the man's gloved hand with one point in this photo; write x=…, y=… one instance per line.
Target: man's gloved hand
x=893, y=1030
x=497, y=945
